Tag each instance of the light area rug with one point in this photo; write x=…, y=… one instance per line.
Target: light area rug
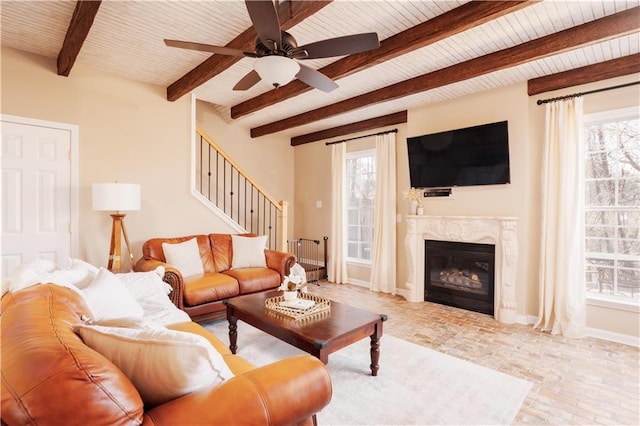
x=414, y=386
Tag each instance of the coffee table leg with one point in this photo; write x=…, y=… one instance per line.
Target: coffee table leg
x=375, y=354
x=233, y=334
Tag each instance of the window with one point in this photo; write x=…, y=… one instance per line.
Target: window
x=361, y=190
x=613, y=204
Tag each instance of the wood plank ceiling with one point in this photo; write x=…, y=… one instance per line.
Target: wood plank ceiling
x=430, y=51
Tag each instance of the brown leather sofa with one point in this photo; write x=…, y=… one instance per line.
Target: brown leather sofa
x=50, y=377
x=202, y=297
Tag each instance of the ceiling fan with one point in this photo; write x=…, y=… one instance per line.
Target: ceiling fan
x=276, y=51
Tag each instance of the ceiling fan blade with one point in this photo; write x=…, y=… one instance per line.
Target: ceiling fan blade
x=264, y=16
x=207, y=48
x=316, y=79
x=248, y=81
x=338, y=46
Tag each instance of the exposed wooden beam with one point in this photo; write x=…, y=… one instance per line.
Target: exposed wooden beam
x=290, y=13
x=599, y=30
x=442, y=26
x=347, y=129
x=587, y=74
x=81, y=21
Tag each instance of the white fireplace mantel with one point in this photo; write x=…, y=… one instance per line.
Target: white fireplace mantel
x=500, y=231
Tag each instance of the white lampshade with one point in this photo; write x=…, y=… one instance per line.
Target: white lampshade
x=116, y=196
x=276, y=70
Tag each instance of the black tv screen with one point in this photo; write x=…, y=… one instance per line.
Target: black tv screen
x=477, y=155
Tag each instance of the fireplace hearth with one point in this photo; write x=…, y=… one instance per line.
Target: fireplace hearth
x=460, y=275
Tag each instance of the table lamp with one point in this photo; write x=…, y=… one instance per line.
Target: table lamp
x=116, y=197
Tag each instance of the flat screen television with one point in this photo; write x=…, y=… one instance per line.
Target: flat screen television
x=477, y=155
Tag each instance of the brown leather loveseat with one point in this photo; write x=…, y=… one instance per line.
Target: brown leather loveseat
x=202, y=296
x=50, y=377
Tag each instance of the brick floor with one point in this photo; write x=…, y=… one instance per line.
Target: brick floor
x=575, y=381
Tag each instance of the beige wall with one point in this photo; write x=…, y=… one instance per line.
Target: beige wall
x=510, y=200
x=129, y=132
x=268, y=160
x=520, y=199
x=313, y=184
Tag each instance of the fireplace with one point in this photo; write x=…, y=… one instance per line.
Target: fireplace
x=497, y=231
x=460, y=274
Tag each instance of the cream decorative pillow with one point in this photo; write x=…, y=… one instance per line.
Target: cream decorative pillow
x=184, y=256
x=108, y=297
x=162, y=364
x=248, y=252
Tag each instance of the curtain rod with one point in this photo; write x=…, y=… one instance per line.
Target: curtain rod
x=604, y=89
x=363, y=136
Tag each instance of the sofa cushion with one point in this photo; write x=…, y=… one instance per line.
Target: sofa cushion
x=162, y=364
x=108, y=297
x=43, y=359
x=221, y=251
x=185, y=257
x=209, y=287
x=252, y=280
x=248, y=252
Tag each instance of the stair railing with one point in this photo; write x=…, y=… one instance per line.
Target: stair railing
x=226, y=188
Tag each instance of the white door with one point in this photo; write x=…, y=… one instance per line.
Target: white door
x=36, y=193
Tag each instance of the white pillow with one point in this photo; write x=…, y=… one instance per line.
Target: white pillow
x=40, y=266
x=184, y=256
x=248, y=252
x=145, y=285
x=21, y=278
x=80, y=273
x=162, y=364
x=108, y=298
x=24, y=277
x=27, y=274
x=81, y=264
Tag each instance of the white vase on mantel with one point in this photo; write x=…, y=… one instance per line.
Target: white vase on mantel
x=413, y=206
x=419, y=210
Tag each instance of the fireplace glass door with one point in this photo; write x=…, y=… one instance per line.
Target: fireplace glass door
x=460, y=275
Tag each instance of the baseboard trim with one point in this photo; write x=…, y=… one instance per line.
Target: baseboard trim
x=610, y=336
x=596, y=333
x=359, y=283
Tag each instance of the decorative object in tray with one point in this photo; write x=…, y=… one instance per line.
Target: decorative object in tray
x=304, y=306
x=294, y=283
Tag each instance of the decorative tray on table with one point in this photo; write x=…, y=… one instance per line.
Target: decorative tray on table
x=305, y=305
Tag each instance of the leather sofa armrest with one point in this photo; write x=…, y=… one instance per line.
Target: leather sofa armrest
x=286, y=392
x=172, y=276
x=280, y=261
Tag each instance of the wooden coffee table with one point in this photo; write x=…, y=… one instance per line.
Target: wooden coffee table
x=340, y=327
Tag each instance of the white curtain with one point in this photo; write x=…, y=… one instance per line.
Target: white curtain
x=383, y=268
x=562, y=274
x=337, y=272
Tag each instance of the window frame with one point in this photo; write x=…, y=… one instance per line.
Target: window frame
x=599, y=299
x=370, y=152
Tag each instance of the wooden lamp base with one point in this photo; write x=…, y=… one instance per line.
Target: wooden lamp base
x=117, y=230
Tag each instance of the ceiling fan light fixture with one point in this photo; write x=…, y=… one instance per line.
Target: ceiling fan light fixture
x=276, y=70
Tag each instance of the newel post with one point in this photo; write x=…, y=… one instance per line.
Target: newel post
x=283, y=219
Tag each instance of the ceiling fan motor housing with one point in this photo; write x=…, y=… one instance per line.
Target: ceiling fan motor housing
x=288, y=45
